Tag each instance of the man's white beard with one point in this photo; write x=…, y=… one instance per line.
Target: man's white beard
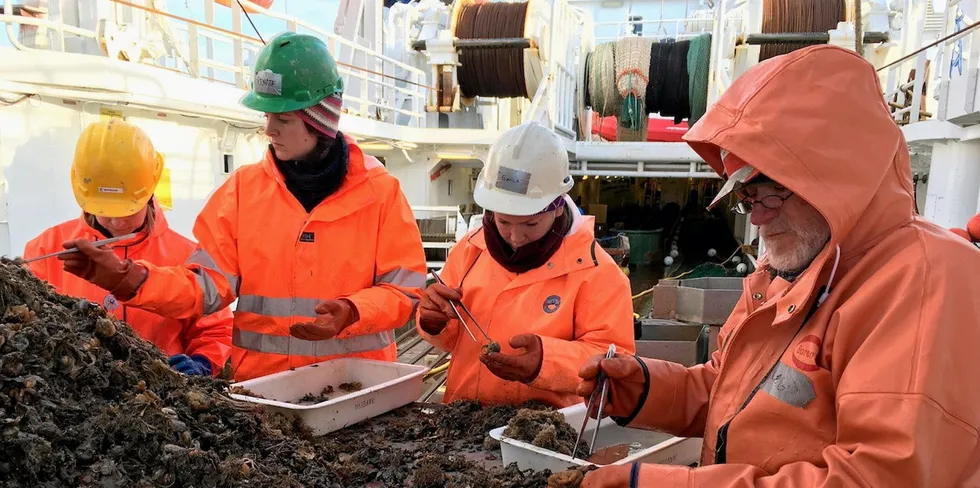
x=803, y=240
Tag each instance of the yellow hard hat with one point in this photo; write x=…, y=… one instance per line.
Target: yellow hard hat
x=115, y=170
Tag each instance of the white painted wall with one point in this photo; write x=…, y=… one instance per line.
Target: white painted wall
x=953, y=181
x=37, y=143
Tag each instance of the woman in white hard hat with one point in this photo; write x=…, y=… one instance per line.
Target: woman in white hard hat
x=534, y=278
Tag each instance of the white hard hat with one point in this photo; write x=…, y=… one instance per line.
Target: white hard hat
x=526, y=169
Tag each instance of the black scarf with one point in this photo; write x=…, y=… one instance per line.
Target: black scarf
x=529, y=256
x=319, y=175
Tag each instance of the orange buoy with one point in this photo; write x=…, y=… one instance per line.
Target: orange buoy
x=266, y=4
x=960, y=232
x=973, y=227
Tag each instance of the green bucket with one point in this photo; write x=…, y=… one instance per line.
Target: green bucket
x=643, y=245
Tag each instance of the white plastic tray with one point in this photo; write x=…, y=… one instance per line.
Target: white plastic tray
x=386, y=386
x=663, y=448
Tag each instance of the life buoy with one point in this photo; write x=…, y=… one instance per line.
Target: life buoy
x=266, y=4
x=973, y=227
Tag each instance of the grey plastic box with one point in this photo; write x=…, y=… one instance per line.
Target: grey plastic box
x=699, y=300
x=673, y=341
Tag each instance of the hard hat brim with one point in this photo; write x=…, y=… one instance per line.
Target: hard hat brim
x=510, y=204
x=112, y=207
x=274, y=105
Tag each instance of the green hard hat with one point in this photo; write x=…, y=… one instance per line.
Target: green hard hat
x=292, y=72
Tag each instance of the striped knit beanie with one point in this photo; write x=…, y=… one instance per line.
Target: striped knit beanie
x=324, y=117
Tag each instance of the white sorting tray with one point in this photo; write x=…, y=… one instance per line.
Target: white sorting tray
x=386, y=386
x=660, y=448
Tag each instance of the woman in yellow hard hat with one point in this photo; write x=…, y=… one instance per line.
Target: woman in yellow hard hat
x=113, y=177
x=317, y=242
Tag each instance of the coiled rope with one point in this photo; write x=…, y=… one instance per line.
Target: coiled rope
x=632, y=74
x=492, y=72
x=603, y=95
x=698, y=63
x=780, y=16
x=675, y=83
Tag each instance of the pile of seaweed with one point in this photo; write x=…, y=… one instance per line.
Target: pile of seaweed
x=85, y=402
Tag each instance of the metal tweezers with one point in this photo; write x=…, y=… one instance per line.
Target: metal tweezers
x=602, y=388
x=103, y=242
x=460, y=316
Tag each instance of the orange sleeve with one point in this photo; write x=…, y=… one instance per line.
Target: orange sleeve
x=676, y=400
x=399, y=269
x=452, y=274
x=904, y=352
x=677, y=396
x=210, y=336
x=34, y=248
x=208, y=281
x=603, y=315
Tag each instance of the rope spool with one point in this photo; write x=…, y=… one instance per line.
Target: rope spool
x=492, y=72
x=780, y=16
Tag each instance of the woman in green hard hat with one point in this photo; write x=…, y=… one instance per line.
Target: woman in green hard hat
x=317, y=241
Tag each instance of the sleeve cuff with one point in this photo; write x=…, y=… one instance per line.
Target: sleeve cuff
x=625, y=421
x=661, y=476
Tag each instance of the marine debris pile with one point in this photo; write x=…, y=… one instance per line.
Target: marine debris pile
x=85, y=402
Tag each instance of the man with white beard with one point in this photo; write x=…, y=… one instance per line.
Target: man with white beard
x=850, y=358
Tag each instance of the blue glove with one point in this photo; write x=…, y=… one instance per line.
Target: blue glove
x=191, y=365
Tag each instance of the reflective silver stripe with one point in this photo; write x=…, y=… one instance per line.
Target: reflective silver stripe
x=405, y=278
x=202, y=258
x=278, y=307
x=211, y=297
x=402, y=277
x=275, y=344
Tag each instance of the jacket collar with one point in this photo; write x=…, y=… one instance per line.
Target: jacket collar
x=332, y=208
x=577, y=250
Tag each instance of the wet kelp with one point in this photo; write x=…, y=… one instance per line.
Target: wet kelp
x=85, y=402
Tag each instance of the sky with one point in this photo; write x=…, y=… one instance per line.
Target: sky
x=320, y=13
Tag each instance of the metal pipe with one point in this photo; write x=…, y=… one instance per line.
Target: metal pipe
x=804, y=37
x=949, y=38
x=482, y=43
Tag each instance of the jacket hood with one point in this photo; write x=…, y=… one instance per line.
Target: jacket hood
x=815, y=121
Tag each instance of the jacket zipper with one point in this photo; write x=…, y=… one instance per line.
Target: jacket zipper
x=721, y=442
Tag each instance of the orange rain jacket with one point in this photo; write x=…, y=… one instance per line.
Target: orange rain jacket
x=578, y=304
x=208, y=336
x=877, y=388
x=259, y=245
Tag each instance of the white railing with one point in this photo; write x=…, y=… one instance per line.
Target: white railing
x=908, y=82
x=681, y=28
x=362, y=80
x=445, y=234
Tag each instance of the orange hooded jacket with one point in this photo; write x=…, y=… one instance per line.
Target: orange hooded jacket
x=208, y=336
x=876, y=388
x=259, y=245
x=578, y=304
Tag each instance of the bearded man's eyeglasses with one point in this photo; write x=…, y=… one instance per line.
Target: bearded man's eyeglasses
x=744, y=206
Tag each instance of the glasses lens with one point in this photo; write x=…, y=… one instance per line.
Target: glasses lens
x=772, y=201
